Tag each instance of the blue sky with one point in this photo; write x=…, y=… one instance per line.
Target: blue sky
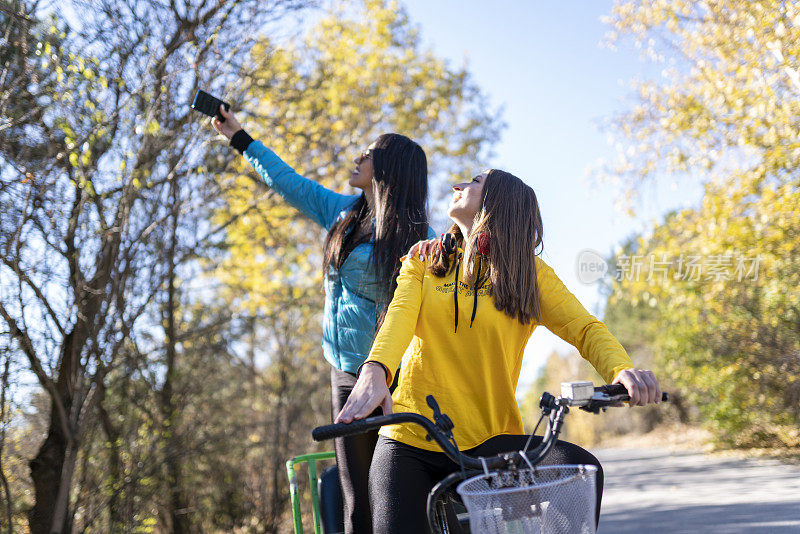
x=543, y=61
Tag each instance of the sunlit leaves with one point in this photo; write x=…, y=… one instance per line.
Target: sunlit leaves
x=730, y=342
x=728, y=99
x=724, y=112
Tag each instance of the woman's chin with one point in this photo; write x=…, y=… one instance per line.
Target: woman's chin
x=356, y=181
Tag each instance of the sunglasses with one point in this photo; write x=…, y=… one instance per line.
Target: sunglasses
x=367, y=154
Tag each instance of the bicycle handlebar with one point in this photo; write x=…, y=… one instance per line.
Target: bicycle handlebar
x=339, y=430
x=620, y=390
x=575, y=394
x=336, y=430
x=608, y=395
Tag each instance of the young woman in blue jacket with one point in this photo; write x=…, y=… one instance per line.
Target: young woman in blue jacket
x=367, y=236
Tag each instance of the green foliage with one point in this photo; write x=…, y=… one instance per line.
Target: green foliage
x=728, y=340
x=729, y=97
x=724, y=113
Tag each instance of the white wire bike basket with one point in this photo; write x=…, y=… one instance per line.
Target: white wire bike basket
x=557, y=499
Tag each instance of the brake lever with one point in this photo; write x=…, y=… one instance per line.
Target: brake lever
x=442, y=420
x=601, y=401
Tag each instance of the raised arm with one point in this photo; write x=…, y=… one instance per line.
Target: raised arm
x=312, y=199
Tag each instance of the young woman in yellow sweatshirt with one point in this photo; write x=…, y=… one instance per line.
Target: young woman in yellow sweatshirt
x=466, y=347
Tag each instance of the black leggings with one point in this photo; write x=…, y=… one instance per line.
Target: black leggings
x=353, y=457
x=401, y=476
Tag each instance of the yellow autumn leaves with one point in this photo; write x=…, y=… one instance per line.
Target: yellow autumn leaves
x=727, y=113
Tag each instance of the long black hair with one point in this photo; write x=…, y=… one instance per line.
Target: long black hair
x=400, y=185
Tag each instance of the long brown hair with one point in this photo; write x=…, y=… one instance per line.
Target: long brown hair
x=400, y=183
x=510, y=216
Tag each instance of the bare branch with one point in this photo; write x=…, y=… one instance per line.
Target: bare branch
x=36, y=366
x=15, y=14
x=38, y=292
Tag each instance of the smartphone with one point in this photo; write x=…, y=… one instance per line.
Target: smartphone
x=209, y=105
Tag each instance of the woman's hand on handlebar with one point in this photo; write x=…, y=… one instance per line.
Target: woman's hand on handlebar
x=227, y=128
x=642, y=386
x=369, y=392
x=424, y=248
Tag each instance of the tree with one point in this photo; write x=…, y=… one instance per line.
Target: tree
x=723, y=301
x=357, y=73
x=162, y=372
x=725, y=113
x=728, y=101
x=94, y=137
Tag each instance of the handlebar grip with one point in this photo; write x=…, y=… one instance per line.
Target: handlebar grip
x=613, y=389
x=619, y=389
x=338, y=430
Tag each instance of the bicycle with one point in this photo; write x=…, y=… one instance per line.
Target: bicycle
x=508, y=492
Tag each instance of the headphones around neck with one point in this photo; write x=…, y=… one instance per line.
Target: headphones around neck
x=448, y=243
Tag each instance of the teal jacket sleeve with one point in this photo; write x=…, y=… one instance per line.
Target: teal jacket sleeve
x=313, y=200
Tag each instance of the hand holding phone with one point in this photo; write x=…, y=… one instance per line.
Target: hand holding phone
x=227, y=128
x=209, y=105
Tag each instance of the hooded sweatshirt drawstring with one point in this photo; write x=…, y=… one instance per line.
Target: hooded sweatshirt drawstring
x=455, y=291
x=475, y=289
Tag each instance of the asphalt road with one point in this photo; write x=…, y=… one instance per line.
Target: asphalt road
x=655, y=490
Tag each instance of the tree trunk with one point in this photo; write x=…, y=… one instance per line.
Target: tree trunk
x=61, y=515
x=51, y=472
x=278, y=453
x=178, y=501
x=50, y=468
x=46, y=476
x=3, y=478
x=115, y=519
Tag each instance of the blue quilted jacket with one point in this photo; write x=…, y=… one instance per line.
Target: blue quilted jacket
x=348, y=326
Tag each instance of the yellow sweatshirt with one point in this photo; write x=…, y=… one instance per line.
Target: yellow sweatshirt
x=473, y=372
